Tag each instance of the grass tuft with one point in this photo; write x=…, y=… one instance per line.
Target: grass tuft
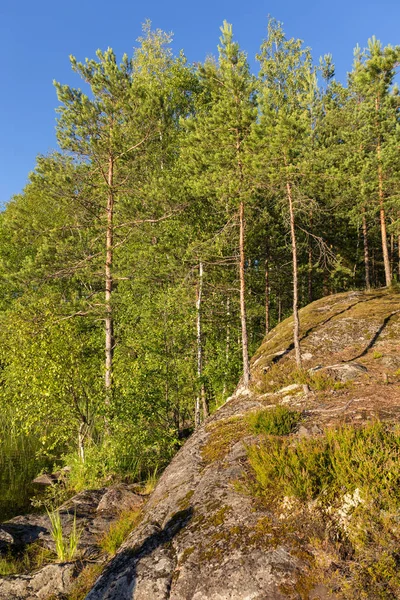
x=33, y=557
x=119, y=531
x=66, y=547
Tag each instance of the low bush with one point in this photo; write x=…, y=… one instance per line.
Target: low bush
x=276, y=421
x=352, y=476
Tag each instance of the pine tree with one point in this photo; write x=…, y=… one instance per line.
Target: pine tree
x=216, y=147
x=286, y=81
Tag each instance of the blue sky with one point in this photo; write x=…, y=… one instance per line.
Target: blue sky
x=37, y=37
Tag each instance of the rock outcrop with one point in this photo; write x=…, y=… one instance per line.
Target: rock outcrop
x=202, y=537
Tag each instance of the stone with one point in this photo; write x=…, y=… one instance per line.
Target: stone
x=289, y=388
x=53, y=581
x=346, y=371
x=119, y=499
x=391, y=362
x=192, y=541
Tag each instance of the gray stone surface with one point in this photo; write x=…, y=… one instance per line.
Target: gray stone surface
x=53, y=580
x=343, y=372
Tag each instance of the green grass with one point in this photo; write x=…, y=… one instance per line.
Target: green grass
x=119, y=531
x=33, y=557
x=85, y=581
x=276, y=421
x=66, y=547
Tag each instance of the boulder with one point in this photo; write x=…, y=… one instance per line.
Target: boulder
x=53, y=580
x=119, y=499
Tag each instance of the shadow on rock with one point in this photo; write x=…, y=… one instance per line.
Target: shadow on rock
x=148, y=565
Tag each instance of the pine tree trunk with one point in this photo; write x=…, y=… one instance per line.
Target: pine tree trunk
x=398, y=250
x=296, y=321
x=279, y=308
x=200, y=399
x=267, y=300
x=227, y=343
x=366, y=251
x=382, y=216
x=310, y=263
x=109, y=325
x=392, y=252
x=245, y=351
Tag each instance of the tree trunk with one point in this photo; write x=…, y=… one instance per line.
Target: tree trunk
x=366, y=251
x=392, y=252
x=246, y=363
x=227, y=343
x=382, y=216
x=109, y=325
x=296, y=321
x=398, y=250
x=279, y=308
x=201, y=398
x=267, y=300
x=81, y=440
x=310, y=263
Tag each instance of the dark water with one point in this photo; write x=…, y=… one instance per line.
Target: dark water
x=20, y=463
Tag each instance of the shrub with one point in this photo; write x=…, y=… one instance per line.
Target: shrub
x=353, y=475
x=277, y=421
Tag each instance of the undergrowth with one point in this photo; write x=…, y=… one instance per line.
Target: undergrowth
x=85, y=581
x=33, y=557
x=66, y=546
x=277, y=421
x=282, y=374
x=352, y=475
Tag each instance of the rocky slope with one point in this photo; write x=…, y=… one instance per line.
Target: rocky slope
x=202, y=535
x=206, y=532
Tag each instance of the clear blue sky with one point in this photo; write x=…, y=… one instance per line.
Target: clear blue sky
x=37, y=36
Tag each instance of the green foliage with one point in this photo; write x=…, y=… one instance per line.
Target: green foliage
x=277, y=421
x=339, y=462
x=353, y=475
x=22, y=457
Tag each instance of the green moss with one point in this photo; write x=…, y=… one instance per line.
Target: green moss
x=218, y=517
x=184, y=502
x=185, y=554
x=223, y=435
